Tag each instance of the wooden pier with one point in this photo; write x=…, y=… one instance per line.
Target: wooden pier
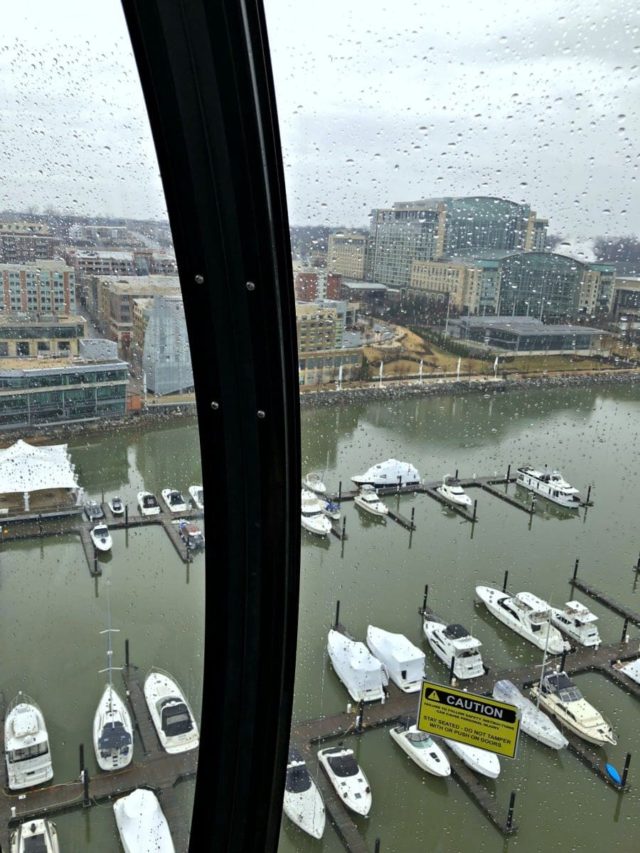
x=157, y=771
x=605, y=599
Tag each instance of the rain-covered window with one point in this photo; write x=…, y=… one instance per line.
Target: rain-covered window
x=465, y=229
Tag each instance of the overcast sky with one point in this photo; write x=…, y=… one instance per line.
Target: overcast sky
x=378, y=102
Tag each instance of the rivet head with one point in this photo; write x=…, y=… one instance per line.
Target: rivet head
x=251, y=285
x=215, y=406
x=199, y=279
x=261, y=414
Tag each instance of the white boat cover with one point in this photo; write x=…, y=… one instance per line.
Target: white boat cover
x=354, y=663
x=387, y=474
x=142, y=825
x=25, y=468
x=397, y=653
x=632, y=669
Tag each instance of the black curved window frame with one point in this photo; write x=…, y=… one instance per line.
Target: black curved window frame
x=207, y=83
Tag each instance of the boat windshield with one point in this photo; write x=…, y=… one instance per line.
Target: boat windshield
x=176, y=498
x=343, y=765
x=176, y=720
x=35, y=844
x=27, y=752
x=298, y=779
x=419, y=740
x=565, y=689
x=148, y=500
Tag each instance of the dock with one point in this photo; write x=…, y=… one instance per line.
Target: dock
x=603, y=598
x=156, y=770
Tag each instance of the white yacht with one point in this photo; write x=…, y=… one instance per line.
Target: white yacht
x=26, y=744
x=171, y=714
x=421, y=748
x=347, y=778
x=559, y=696
x=486, y=763
x=578, y=622
x=302, y=802
x=454, y=641
x=116, y=505
x=312, y=516
x=452, y=491
x=403, y=661
x=35, y=836
x=148, y=504
x=112, y=727
x=550, y=485
x=388, y=473
x=101, y=537
x=174, y=500
x=361, y=673
x=527, y=615
x=368, y=500
x=197, y=496
x=141, y=823
x=532, y=720
x=314, y=482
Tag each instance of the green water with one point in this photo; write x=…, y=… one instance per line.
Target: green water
x=53, y=610
x=592, y=436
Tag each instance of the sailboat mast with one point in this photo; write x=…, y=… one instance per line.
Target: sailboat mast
x=108, y=631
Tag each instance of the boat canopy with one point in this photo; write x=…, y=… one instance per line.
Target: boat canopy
x=389, y=473
x=35, y=843
x=176, y=719
x=114, y=736
x=297, y=779
x=343, y=764
x=25, y=468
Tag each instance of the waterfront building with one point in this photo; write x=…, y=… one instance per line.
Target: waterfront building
x=37, y=287
x=437, y=228
x=526, y=335
x=72, y=389
x=321, y=337
x=626, y=299
x=346, y=254
x=110, y=303
x=166, y=357
x=41, y=336
x=369, y=294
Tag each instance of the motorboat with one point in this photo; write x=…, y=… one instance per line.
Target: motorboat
x=93, y=511
x=479, y=760
x=190, y=534
x=452, y=491
x=347, y=778
x=421, y=748
x=174, y=500
x=368, y=500
x=550, y=485
x=403, y=661
x=560, y=697
x=101, y=537
x=302, y=802
x=455, y=642
x=26, y=744
x=314, y=482
x=116, y=505
x=112, y=727
x=361, y=673
x=35, y=836
x=533, y=721
x=196, y=494
x=389, y=473
x=148, y=504
x=578, y=622
x=141, y=823
x=312, y=516
x=527, y=615
x=171, y=713
x=331, y=509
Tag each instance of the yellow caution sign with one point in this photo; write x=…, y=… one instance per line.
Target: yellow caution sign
x=469, y=718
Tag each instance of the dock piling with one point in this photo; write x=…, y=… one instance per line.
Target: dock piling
x=413, y=515
x=506, y=578
x=126, y=653
x=339, y=491
x=563, y=660
x=456, y=473
x=637, y=566
x=509, y=823
x=376, y=848
x=344, y=525
x=533, y=505
x=588, y=495
x=360, y=716
x=575, y=569
x=81, y=751
x=424, y=599
x=508, y=473
x=337, y=620
x=625, y=635
x=475, y=509
x=451, y=666
x=625, y=771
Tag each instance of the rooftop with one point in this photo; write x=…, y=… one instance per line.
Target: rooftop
x=51, y=364
x=526, y=326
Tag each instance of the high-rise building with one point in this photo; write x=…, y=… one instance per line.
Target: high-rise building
x=437, y=228
x=346, y=254
x=38, y=287
x=166, y=358
x=25, y=241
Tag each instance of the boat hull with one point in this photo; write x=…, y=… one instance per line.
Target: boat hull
x=479, y=760
x=590, y=735
x=354, y=791
x=320, y=525
x=546, y=491
x=431, y=759
x=463, y=667
x=375, y=509
x=26, y=837
x=458, y=500
x=32, y=771
x=363, y=686
x=491, y=598
x=306, y=810
x=158, y=688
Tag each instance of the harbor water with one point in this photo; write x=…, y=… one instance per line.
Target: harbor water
x=592, y=436
x=54, y=610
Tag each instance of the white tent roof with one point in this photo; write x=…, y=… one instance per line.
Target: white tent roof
x=25, y=468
